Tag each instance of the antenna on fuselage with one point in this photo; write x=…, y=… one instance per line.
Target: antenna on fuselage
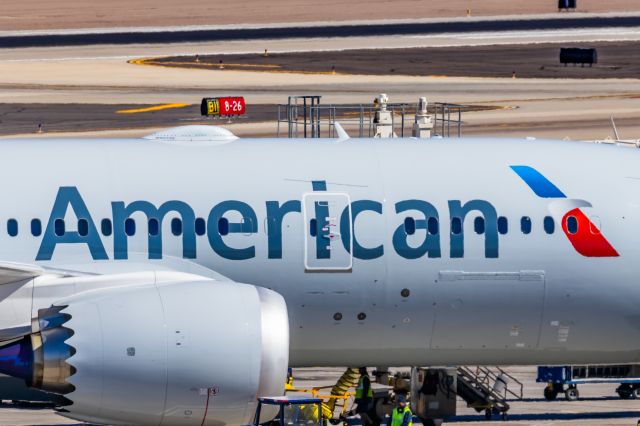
x=342, y=134
x=615, y=129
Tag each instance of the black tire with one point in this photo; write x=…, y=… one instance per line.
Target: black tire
x=376, y=413
x=624, y=391
x=572, y=394
x=550, y=394
x=373, y=415
x=635, y=393
x=488, y=414
x=428, y=422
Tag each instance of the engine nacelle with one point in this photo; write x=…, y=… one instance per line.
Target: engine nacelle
x=187, y=353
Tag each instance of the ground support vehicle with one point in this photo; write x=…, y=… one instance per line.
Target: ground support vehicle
x=565, y=379
x=291, y=411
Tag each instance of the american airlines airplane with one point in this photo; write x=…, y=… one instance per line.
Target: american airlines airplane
x=170, y=280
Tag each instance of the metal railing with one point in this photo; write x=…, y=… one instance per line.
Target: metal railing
x=485, y=378
x=312, y=120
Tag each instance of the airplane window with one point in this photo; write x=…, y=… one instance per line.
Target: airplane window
x=12, y=227
x=572, y=225
x=176, y=226
x=105, y=226
x=432, y=226
x=83, y=227
x=549, y=225
x=478, y=225
x=36, y=227
x=58, y=227
x=456, y=226
x=525, y=225
x=503, y=225
x=154, y=228
x=130, y=227
x=410, y=225
x=201, y=226
x=223, y=226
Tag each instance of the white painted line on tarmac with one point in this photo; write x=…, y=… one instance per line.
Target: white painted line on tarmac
x=633, y=32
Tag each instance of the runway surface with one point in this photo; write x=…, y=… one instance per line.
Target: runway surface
x=314, y=31
x=54, y=119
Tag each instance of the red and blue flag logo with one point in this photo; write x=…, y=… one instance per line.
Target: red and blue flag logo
x=584, y=235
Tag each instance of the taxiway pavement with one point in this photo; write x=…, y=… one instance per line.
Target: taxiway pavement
x=381, y=28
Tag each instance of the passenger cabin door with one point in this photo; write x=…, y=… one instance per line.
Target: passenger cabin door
x=327, y=232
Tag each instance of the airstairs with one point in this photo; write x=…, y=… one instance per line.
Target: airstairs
x=488, y=389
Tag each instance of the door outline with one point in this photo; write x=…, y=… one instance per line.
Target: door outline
x=325, y=197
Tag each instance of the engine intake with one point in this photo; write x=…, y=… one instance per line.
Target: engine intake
x=197, y=352
x=41, y=358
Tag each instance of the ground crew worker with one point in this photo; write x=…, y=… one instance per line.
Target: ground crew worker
x=364, y=397
x=289, y=384
x=310, y=413
x=401, y=415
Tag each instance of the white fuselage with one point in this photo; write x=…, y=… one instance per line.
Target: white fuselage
x=411, y=292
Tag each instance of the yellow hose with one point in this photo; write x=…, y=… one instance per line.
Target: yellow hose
x=348, y=380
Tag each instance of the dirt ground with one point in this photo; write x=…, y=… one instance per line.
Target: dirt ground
x=615, y=60
x=67, y=14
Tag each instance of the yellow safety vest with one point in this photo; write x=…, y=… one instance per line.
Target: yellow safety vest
x=289, y=384
x=397, y=416
x=360, y=387
x=310, y=412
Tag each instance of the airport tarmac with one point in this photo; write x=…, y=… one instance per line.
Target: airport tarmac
x=599, y=405
x=100, y=120
x=543, y=108
x=340, y=29
x=71, y=14
x=107, y=78
x=615, y=60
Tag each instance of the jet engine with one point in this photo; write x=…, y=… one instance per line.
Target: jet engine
x=186, y=353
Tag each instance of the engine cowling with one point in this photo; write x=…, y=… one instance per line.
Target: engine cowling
x=187, y=353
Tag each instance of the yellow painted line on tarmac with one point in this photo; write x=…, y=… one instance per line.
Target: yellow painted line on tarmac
x=193, y=64
x=141, y=61
x=210, y=65
x=275, y=69
x=151, y=108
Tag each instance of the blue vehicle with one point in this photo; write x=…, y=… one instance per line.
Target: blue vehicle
x=565, y=379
